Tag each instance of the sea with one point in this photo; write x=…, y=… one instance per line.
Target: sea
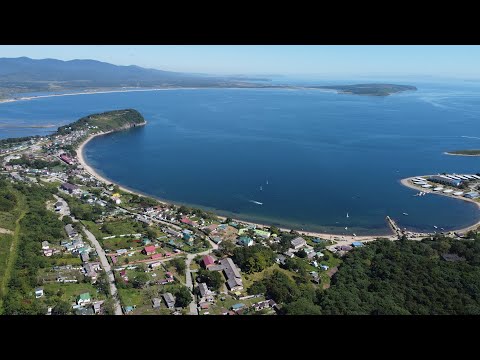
x=296, y=158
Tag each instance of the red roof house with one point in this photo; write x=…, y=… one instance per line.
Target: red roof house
x=149, y=250
x=186, y=220
x=208, y=261
x=156, y=256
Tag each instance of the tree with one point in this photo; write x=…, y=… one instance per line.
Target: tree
x=140, y=281
x=301, y=254
x=183, y=297
x=213, y=279
x=228, y=220
x=179, y=264
x=62, y=308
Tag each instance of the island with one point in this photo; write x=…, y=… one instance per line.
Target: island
x=472, y=152
x=368, y=89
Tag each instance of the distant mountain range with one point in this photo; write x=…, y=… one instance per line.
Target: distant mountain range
x=21, y=75
x=30, y=75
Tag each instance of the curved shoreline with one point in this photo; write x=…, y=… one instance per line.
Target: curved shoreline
x=447, y=153
x=345, y=239
x=406, y=182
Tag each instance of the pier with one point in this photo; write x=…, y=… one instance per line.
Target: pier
x=395, y=228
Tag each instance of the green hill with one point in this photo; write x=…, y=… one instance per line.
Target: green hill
x=107, y=121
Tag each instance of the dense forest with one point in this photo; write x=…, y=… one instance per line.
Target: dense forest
x=36, y=226
x=407, y=277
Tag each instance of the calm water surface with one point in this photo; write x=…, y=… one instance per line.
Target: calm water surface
x=322, y=154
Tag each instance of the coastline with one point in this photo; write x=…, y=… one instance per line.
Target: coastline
x=344, y=239
x=447, y=153
x=92, y=92
x=406, y=182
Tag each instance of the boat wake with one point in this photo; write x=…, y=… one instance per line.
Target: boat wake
x=256, y=202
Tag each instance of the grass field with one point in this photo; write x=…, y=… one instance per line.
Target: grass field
x=131, y=297
x=7, y=220
x=69, y=292
x=9, y=256
x=120, y=243
x=5, y=243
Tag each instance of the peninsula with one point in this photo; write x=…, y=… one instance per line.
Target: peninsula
x=464, y=152
x=368, y=89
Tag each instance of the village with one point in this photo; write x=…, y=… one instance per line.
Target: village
x=151, y=257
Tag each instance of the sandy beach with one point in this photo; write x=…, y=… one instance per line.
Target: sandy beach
x=91, y=92
x=344, y=239
x=341, y=239
x=406, y=182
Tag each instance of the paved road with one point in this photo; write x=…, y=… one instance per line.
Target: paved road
x=108, y=270
x=188, y=274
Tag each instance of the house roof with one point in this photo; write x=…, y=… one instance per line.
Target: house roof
x=203, y=288
x=150, y=248
x=156, y=256
x=298, y=241
x=208, y=260
x=84, y=296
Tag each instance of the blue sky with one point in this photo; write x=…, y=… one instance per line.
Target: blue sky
x=322, y=60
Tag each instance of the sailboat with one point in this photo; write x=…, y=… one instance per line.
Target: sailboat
x=261, y=188
x=346, y=227
x=267, y=182
x=347, y=215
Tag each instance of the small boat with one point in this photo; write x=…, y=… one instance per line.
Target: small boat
x=435, y=226
x=347, y=215
x=346, y=228
x=405, y=214
x=261, y=188
x=354, y=234
x=267, y=182
x=256, y=202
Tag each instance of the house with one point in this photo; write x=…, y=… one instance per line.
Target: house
x=311, y=255
x=262, y=233
x=155, y=264
x=84, y=299
x=121, y=251
x=97, y=306
x=289, y=253
x=114, y=259
x=156, y=256
x=344, y=248
x=298, y=242
x=205, y=293
x=356, y=244
x=217, y=239
x=280, y=259
x=70, y=231
x=204, y=305
x=84, y=257
x=234, y=278
x=452, y=257
x=237, y=307
x=172, y=232
x=146, y=241
x=324, y=267
x=38, y=293
x=128, y=309
x=208, y=261
x=149, y=250
x=45, y=245
x=169, y=300
x=245, y=241
x=186, y=220
x=70, y=188
x=84, y=311
x=472, y=195
x=169, y=276
x=156, y=303
x=48, y=252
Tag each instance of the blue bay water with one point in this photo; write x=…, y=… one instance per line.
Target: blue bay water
x=323, y=154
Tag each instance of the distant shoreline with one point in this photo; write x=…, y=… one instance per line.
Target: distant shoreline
x=452, y=154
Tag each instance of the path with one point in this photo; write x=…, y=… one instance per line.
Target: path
x=188, y=273
x=13, y=252
x=108, y=270
x=5, y=231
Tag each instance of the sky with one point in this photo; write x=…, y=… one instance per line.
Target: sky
x=455, y=61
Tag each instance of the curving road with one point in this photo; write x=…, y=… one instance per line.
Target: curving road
x=108, y=270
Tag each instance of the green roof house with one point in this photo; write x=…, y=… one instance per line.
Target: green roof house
x=84, y=299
